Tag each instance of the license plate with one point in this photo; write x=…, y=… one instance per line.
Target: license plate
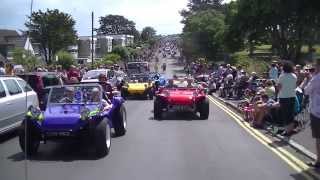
x=63, y=134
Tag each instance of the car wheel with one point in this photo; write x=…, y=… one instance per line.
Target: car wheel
x=157, y=109
x=29, y=138
x=102, y=138
x=120, y=122
x=203, y=109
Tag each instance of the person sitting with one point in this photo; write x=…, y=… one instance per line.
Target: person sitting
x=190, y=83
x=95, y=97
x=171, y=84
x=261, y=108
x=270, y=90
x=68, y=95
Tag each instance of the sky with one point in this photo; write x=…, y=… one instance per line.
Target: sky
x=163, y=15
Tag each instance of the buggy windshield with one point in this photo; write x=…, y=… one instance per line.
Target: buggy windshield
x=93, y=74
x=76, y=95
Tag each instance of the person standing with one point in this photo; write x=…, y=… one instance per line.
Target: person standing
x=2, y=70
x=273, y=72
x=313, y=90
x=287, y=84
x=9, y=69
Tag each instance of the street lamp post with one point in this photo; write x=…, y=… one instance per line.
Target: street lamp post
x=92, y=42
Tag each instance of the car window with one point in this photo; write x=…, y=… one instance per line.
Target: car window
x=25, y=86
x=12, y=86
x=2, y=91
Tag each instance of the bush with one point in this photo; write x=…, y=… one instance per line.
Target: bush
x=25, y=58
x=111, y=59
x=121, y=51
x=65, y=59
x=249, y=64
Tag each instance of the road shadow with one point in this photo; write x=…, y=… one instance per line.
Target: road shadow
x=310, y=174
x=177, y=116
x=66, y=152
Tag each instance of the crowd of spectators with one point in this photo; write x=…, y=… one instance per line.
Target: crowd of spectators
x=273, y=98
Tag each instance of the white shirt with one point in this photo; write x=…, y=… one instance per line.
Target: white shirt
x=313, y=90
x=288, y=82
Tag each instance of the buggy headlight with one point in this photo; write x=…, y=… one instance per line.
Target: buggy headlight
x=35, y=114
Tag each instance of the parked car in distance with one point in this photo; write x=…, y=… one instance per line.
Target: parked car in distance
x=39, y=81
x=15, y=97
x=93, y=75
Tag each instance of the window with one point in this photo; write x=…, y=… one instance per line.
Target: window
x=2, y=91
x=25, y=86
x=12, y=86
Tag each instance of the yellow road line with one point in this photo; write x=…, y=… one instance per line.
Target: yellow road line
x=290, y=159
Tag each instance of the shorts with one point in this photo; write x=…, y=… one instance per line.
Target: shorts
x=315, y=126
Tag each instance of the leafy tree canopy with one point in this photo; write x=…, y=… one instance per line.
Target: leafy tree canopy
x=54, y=30
x=148, y=33
x=65, y=59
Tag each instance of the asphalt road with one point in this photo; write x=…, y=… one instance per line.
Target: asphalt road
x=178, y=148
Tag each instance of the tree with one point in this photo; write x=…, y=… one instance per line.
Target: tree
x=286, y=23
x=133, y=53
x=110, y=59
x=25, y=58
x=194, y=6
x=65, y=59
x=54, y=30
x=116, y=24
x=121, y=51
x=204, y=33
x=148, y=33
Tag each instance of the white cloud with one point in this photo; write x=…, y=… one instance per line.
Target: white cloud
x=163, y=15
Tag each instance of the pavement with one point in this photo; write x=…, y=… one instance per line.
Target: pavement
x=301, y=141
x=180, y=147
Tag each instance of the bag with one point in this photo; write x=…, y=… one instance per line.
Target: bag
x=297, y=106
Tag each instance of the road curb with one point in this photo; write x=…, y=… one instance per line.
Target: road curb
x=291, y=142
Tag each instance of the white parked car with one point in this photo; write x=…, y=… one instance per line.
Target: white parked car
x=93, y=75
x=15, y=98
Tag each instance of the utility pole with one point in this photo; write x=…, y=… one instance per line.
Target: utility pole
x=92, y=42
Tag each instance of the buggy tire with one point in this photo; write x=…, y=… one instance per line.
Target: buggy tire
x=30, y=138
x=102, y=139
x=120, y=122
x=203, y=109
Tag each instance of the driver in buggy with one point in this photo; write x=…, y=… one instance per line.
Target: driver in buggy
x=171, y=84
x=68, y=97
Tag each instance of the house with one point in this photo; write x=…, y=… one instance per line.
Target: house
x=122, y=40
x=101, y=45
x=11, y=39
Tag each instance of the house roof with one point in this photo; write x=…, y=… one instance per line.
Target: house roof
x=5, y=33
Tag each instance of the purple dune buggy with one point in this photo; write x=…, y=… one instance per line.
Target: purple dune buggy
x=79, y=112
